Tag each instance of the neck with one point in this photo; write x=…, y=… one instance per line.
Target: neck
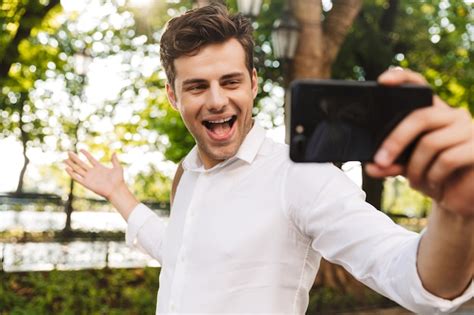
x=208, y=162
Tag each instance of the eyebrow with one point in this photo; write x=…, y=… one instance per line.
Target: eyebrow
x=232, y=75
x=193, y=81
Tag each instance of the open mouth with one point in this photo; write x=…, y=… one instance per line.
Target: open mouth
x=222, y=127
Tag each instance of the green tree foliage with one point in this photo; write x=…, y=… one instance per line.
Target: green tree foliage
x=54, y=99
x=81, y=121
x=18, y=19
x=152, y=185
x=400, y=199
x=24, y=59
x=432, y=37
x=444, y=52
x=165, y=120
x=388, y=32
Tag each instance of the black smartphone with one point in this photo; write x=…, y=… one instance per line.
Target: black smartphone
x=340, y=121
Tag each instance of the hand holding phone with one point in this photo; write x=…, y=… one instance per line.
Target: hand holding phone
x=339, y=121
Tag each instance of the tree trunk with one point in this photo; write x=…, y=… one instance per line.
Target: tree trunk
x=69, y=208
x=373, y=187
x=320, y=40
x=310, y=58
x=24, y=142
x=26, y=161
x=318, y=46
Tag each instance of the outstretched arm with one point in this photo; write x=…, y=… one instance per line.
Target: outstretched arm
x=442, y=167
x=104, y=181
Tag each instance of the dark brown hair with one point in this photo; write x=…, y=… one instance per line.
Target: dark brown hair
x=186, y=34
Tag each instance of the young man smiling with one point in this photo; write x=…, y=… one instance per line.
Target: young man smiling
x=215, y=99
x=248, y=227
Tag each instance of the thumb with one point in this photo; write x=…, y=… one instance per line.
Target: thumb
x=115, y=161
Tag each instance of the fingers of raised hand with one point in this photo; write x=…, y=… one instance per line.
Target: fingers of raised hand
x=116, y=162
x=417, y=123
x=429, y=147
x=438, y=102
x=398, y=75
x=76, y=168
x=449, y=161
x=90, y=158
x=75, y=175
x=77, y=162
x=378, y=171
x=77, y=165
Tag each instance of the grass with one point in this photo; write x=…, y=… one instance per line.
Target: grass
x=106, y=291
x=126, y=291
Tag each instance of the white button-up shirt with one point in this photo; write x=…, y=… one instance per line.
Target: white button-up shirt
x=247, y=236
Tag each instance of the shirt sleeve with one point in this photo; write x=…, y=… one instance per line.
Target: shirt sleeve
x=145, y=231
x=329, y=208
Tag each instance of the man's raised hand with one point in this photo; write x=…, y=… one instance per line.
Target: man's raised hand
x=442, y=164
x=105, y=181
x=94, y=176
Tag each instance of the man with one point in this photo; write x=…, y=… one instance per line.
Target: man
x=248, y=227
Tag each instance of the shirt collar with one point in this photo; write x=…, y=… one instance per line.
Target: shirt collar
x=247, y=152
x=250, y=146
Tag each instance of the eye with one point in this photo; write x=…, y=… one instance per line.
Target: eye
x=196, y=88
x=232, y=83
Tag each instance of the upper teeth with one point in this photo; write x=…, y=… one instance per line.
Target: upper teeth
x=220, y=121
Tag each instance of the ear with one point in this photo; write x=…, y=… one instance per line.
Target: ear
x=171, y=96
x=254, y=79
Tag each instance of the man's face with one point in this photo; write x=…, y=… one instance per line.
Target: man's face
x=214, y=93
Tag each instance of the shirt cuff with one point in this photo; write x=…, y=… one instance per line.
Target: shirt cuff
x=422, y=296
x=137, y=218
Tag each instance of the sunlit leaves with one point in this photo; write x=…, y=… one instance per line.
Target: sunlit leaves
x=151, y=184
x=62, y=107
x=433, y=37
x=401, y=199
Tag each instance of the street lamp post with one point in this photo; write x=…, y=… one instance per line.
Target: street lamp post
x=285, y=36
x=82, y=63
x=249, y=8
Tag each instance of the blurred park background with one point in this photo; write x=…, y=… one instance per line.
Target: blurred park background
x=86, y=74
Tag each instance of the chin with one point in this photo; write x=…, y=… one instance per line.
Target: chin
x=223, y=154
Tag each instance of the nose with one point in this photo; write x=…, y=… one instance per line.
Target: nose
x=216, y=99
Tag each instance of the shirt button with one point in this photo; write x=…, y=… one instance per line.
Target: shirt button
x=172, y=307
